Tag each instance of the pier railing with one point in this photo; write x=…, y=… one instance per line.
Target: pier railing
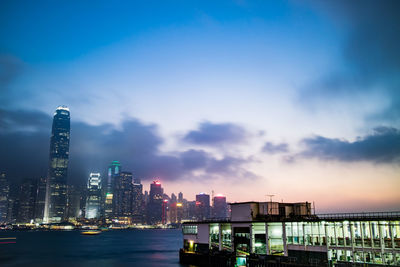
x=360, y=215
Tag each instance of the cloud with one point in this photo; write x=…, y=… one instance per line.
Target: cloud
x=10, y=68
x=25, y=136
x=194, y=159
x=22, y=120
x=383, y=146
x=271, y=148
x=211, y=134
x=370, y=52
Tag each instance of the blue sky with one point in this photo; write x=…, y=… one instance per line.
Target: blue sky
x=272, y=91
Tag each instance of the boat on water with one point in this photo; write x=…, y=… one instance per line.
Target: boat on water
x=91, y=232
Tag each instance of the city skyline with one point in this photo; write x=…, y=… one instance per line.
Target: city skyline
x=243, y=98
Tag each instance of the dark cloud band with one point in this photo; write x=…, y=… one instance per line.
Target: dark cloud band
x=210, y=133
x=25, y=135
x=383, y=146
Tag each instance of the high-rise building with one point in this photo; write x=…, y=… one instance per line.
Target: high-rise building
x=113, y=171
x=219, y=210
x=179, y=212
x=155, y=204
x=173, y=209
x=202, y=206
x=13, y=207
x=27, y=198
x=4, y=196
x=40, y=199
x=56, y=188
x=164, y=211
x=137, y=201
x=146, y=197
x=93, y=196
x=122, y=199
x=74, y=201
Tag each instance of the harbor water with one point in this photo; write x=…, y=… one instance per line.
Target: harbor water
x=151, y=247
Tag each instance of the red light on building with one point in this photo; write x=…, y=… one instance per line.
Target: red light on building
x=198, y=203
x=157, y=182
x=165, y=200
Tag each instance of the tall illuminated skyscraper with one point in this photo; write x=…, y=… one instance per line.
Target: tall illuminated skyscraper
x=56, y=187
x=113, y=171
x=93, y=196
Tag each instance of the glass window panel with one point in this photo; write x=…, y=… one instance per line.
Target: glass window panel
x=339, y=233
x=366, y=232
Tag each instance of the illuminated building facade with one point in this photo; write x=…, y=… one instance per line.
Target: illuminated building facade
x=56, y=188
x=202, y=206
x=259, y=233
x=113, y=171
x=165, y=211
x=27, y=198
x=75, y=194
x=93, y=196
x=155, y=204
x=4, y=196
x=173, y=212
x=122, y=200
x=179, y=212
x=40, y=199
x=137, y=201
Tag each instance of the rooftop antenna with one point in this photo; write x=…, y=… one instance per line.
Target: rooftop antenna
x=270, y=197
x=270, y=200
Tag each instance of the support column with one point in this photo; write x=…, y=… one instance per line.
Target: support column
x=381, y=239
x=372, y=242
x=391, y=227
x=285, y=250
x=335, y=235
x=343, y=235
x=266, y=239
x=220, y=236
x=352, y=241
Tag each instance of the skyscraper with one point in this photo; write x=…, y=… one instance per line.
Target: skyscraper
x=154, y=207
x=56, y=188
x=202, y=206
x=137, y=201
x=4, y=195
x=122, y=199
x=40, y=199
x=75, y=194
x=27, y=198
x=173, y=209
x=93, y=196
x=113, y=171
x=219, y=210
